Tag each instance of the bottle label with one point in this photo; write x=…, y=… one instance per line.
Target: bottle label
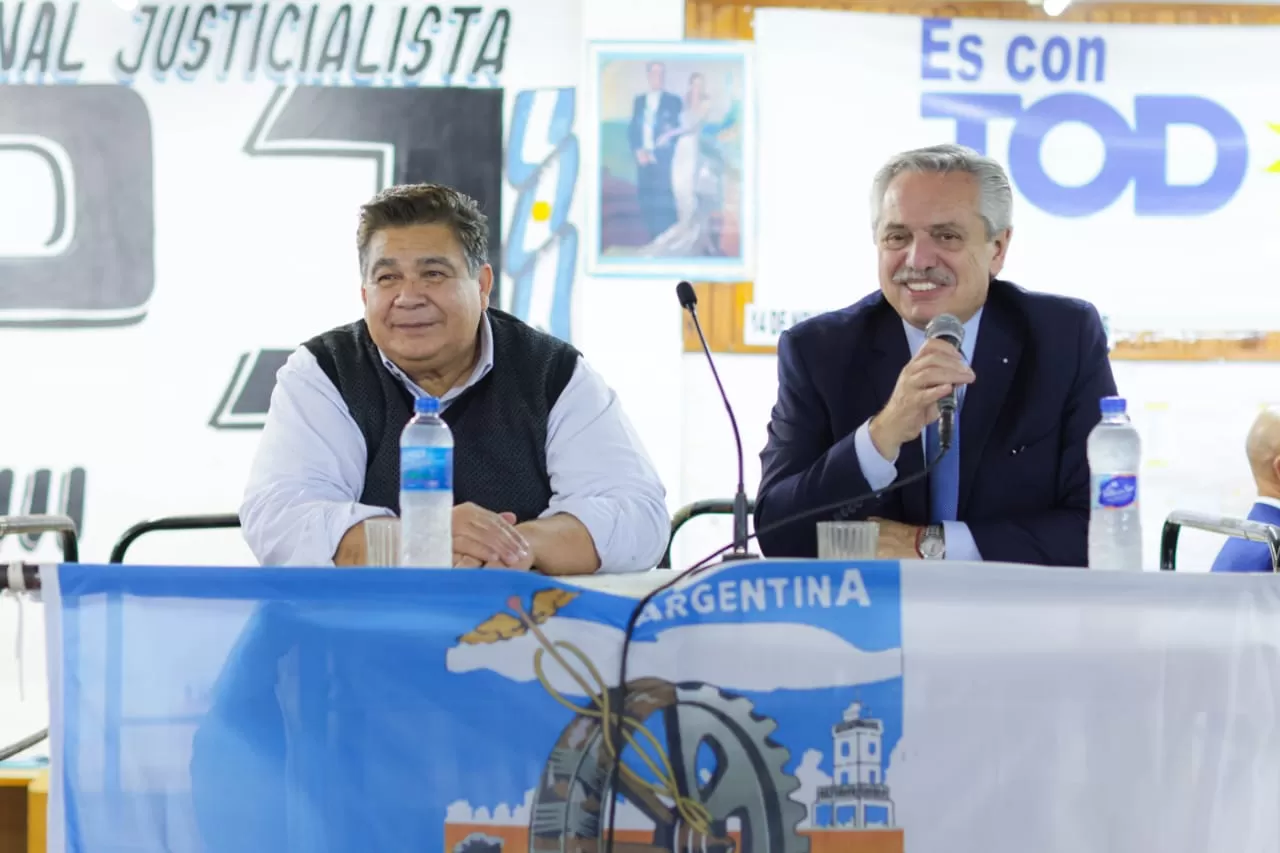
x=426, y=469
x=1115, y=491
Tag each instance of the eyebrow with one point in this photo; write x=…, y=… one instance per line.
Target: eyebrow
x=437, y=260
x=937, y=226
x=426, y=260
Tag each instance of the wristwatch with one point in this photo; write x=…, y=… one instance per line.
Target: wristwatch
x=931, y=544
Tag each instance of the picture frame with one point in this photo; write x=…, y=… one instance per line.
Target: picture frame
x=670, y=154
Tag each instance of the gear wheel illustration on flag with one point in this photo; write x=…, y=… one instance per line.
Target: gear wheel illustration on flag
x=697, y=761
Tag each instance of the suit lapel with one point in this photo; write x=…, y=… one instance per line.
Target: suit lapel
x=889, y=354
x=995, y=361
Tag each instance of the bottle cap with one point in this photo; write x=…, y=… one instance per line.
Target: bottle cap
x=1112, y=405
x=426, y=406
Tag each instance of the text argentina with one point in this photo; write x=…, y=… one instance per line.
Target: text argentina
x=747, y=595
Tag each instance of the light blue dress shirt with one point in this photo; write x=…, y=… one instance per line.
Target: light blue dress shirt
x=307, y=476
x=880, y=472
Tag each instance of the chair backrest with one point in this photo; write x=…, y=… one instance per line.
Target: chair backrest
x=172, y=522
x=62, y=525
x=1254, y=531
x=688, y=512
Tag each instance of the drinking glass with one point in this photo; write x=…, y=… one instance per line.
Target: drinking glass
x=848, y=540
x=382, y=541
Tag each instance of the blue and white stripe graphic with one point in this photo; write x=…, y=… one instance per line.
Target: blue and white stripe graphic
x=542, y=244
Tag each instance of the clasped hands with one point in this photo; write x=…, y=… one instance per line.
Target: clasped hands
x=491, y=540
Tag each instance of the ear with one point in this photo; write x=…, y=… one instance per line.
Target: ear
x=1001, y=245
x=364, y=295
x=1275, y=468
x=485, y=280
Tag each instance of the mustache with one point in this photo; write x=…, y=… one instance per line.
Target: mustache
x=936, y=275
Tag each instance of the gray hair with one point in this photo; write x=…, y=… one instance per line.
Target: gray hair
x=995, y=196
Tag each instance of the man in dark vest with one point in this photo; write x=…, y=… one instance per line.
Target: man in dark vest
x=548, y=472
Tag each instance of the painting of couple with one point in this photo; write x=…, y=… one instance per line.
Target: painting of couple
x=674, y=163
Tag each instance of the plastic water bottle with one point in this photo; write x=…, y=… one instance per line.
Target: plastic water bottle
x=426, y=489
x=1115, y=454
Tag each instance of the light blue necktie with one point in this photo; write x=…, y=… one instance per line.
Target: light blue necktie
x=944, y=479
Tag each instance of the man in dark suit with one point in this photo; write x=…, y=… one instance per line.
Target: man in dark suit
x=654, y=113
x=1263, y=449
x=857, y=388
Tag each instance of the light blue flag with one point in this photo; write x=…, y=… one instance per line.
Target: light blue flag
x=208, y=710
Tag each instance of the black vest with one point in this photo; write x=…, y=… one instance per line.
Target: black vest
x=499, y=424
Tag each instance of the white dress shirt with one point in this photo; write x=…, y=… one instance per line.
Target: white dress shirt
x=308, y=474
x=651, y=101
x=880, y=472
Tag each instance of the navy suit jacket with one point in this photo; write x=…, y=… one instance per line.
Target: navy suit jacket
x=667, y=117
x=1241, y=555
x=1041, y=367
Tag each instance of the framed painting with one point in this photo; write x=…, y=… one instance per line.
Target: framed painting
x=670, y=188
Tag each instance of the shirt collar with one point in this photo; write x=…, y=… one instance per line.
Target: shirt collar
x=483, y=365
x=916, y=338
x=1271, y=502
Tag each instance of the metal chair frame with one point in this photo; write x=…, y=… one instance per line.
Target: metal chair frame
x=718, y=506
x=224, y=521
x=1239, y=528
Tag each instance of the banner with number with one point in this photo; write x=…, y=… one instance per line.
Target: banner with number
x=769, y=707
x=181, y=190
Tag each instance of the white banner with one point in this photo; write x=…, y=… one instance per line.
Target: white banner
x=1137, y=153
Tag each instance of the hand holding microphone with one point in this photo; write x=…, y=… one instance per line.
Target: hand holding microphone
x=929, y=379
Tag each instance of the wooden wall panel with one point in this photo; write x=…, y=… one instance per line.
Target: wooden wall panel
x=727, y=19
x=723, y=19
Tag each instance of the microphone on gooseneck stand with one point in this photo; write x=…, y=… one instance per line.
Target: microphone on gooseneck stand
x=739, y=551
x=948, y=328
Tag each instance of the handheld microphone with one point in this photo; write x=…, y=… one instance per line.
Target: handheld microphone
x=738, y=551
x=947, y=328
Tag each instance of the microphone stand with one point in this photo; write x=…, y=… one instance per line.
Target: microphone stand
x=741, y=535
x=739, y=551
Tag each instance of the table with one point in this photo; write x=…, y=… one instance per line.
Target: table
x=820, y=705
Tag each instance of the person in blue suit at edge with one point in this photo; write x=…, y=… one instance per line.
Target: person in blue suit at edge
x=858, y=388
x=1263, y=449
